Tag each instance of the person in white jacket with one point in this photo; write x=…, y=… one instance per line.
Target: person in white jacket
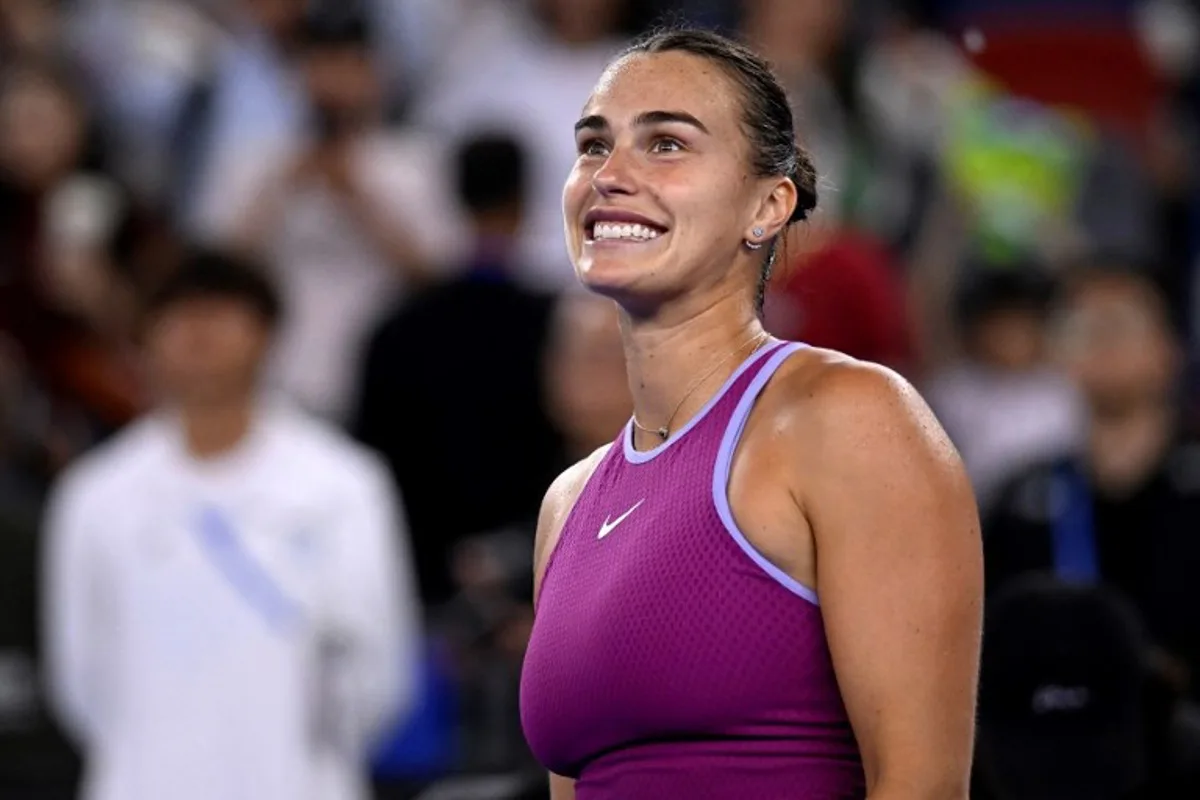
x=230, y=609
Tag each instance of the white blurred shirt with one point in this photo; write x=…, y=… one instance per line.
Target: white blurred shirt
x=336, y=283
x=1002, y=423
x=235, y=628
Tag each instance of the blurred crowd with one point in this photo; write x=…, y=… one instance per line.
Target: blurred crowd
x=1009, y=216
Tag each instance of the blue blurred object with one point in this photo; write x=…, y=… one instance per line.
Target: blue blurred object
x=423, y=745
x=1074, y=532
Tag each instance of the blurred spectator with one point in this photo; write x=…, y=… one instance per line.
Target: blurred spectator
x=58, y=213
x=1170, y=35
x=1065, y=710
x=162, y=76
x=253, y=98
x=586, y=386
x=1004, y=404
x=450, y=389
x=225, y=607
x=905, y=81
x=488, y=624
x=526, y=74
x=350, y=219
x=35, y=763
x=34, y=760
x=1003, y=176
x=29, y=28
x=1126, y=510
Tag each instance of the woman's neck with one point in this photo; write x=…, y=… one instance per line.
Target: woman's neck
x=673, y=369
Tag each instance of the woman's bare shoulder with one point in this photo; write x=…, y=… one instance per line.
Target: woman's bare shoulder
x=831, y=403
x=557, y=504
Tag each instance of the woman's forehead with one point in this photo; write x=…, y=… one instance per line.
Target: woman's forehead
x=664, y=81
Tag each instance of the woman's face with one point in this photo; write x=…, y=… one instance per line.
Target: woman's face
x=662, y=195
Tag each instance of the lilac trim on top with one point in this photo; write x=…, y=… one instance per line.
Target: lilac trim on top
x=737, y=423
x=636, y=456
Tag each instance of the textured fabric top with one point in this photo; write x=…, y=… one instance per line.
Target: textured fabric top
x=670, y=659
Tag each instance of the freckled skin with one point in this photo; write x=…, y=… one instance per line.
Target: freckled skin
x=671, y=173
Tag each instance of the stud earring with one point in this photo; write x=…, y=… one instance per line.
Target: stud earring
x=752, y=245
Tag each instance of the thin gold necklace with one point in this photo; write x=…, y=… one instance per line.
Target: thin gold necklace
x=665, y=431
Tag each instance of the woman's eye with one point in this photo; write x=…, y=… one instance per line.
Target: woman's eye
x=666, y=144
x=592, y=147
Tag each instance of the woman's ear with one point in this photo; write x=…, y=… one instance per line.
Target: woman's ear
x=774, y=210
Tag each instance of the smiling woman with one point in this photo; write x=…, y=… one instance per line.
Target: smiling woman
x=770, y=584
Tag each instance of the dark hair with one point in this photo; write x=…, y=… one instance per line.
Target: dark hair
x=985, y=290
x=336, y=28
x=1113, y=267
x=211, y=274
x=490, y=172
x=766, y=116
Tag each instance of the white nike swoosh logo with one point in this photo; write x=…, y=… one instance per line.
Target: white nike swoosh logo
x=608, y=526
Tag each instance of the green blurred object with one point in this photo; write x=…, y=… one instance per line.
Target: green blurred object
x=1020, y=165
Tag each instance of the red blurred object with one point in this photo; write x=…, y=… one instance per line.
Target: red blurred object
x=847, y=296
x=1096, y=67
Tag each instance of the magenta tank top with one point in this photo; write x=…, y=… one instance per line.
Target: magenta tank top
x=670, y=659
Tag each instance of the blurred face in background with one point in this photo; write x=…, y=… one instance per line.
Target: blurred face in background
x=206, y=351
x=477, y=567
x=582, y=21
x=342, y=83
x=1113, y=338
x=29, y=25
x=280, y=18
x=587, y=388
x=794, y=34
x=41, y=130
x=1010, y=339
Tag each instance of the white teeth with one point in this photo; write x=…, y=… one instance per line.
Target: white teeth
x=612, y=230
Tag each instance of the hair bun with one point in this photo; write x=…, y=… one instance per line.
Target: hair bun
x=804, y=176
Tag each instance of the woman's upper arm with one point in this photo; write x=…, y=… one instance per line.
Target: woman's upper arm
x=556, y=506
x=900, y=578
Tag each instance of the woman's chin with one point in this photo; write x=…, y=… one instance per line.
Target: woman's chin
x=609, y=284
x=614, y=273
